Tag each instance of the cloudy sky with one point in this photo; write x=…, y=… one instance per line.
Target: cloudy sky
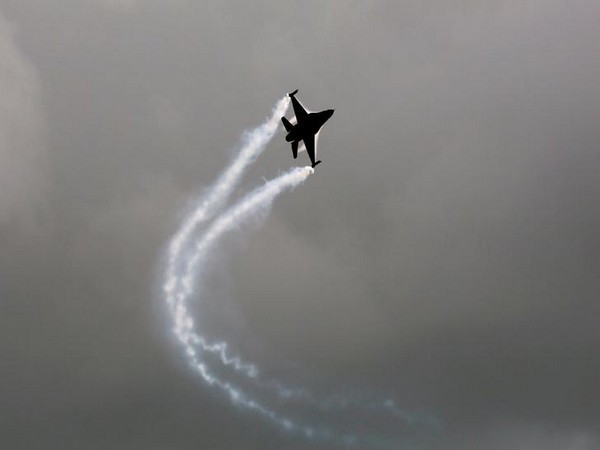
x=447, y=251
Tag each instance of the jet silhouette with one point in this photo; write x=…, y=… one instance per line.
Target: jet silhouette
x=306, y=128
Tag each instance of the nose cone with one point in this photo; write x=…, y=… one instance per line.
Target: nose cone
x=330, y=112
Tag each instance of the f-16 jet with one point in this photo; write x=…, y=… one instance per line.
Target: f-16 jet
x=306, y=128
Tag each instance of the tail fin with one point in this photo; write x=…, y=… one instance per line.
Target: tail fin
x=286, y=123
x=295, y=149
x=291, y=94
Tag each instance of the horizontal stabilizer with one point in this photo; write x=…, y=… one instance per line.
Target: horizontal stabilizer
x=291, y=94
x=286, y=123
x=318, y=162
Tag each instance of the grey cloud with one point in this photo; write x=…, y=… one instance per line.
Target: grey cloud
x=446, y=250
x=529, y=437
x=23, y=152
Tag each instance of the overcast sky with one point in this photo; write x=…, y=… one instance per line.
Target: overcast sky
x=447, y=251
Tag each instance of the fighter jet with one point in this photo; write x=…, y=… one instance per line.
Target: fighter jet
x=306, y=128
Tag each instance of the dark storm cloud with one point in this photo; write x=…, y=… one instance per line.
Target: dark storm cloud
x=447, y=250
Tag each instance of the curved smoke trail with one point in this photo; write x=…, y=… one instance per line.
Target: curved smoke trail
x=189, y=251
x=253, y=145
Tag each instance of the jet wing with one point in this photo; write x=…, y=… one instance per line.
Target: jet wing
x=299, y=110
x=309, y=143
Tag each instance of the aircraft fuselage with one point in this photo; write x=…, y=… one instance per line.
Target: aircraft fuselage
x=309, y=126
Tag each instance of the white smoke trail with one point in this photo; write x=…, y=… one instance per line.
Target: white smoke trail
x=187, y=253
x=254, y=143
x=254, y=204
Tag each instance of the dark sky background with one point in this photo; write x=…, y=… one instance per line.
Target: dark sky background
x=447, y=250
